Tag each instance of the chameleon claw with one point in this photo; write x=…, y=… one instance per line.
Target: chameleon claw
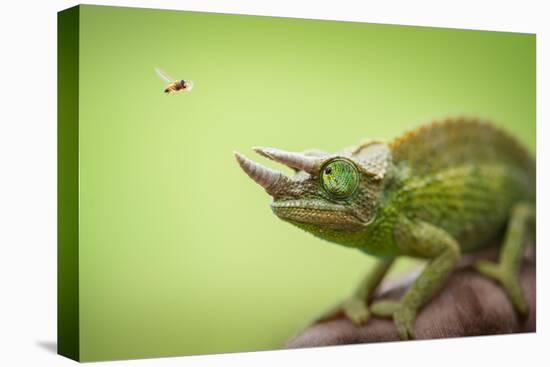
x=404, y=322
x=509, y=281
x=384, y=308
x=356, y=310
x=403, y=316
x=488, y=269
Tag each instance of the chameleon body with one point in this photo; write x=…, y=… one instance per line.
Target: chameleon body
x=437, y=192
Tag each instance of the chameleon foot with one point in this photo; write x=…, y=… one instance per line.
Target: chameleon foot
x=509, y=281
x=355, y=309
x=506, y=271
x=356, y=306
x=403, y=316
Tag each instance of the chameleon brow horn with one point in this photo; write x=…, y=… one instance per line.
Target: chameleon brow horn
x=298, y=161
x=263, y=176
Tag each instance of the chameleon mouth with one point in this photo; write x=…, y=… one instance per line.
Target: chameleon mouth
x=317, y=213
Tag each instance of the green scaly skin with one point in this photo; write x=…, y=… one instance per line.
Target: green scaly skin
x=436, y=192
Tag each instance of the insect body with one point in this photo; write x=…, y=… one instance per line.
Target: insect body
x=174, y=85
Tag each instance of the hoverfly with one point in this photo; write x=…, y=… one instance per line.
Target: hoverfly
x=174, y=85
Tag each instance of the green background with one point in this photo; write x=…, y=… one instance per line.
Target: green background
x=179, y=251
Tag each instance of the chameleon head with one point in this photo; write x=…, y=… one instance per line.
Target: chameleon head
x=328, y=193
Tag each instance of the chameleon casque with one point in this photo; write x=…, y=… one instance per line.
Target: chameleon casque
x=437, y=192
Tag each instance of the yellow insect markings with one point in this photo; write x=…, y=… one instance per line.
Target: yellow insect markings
x=174, y=85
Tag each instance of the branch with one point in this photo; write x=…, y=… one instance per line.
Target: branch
x=468, y=304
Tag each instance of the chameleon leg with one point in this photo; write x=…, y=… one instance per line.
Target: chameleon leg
x=419, y=239
x=506, y=271
x=356, y=307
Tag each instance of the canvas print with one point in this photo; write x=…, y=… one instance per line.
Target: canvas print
x=231, y=183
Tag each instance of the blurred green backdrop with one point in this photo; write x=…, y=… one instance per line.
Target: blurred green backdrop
x=180, y=253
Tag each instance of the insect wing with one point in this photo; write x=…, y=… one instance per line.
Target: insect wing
x=164, y=76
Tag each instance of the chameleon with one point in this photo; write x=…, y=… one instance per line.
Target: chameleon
x=444, y=189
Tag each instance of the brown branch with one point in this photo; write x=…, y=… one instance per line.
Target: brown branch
x=469, y=304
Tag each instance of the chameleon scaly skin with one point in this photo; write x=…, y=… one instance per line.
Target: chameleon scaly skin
x=436, y=192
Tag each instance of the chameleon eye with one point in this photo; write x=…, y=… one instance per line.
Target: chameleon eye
x=340, y=178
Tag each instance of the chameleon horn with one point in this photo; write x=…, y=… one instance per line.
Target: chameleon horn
x=294, y=160
x=265, y=177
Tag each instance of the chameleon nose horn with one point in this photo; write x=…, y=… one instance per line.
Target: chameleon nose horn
x=297, y=161
x=263, y=176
